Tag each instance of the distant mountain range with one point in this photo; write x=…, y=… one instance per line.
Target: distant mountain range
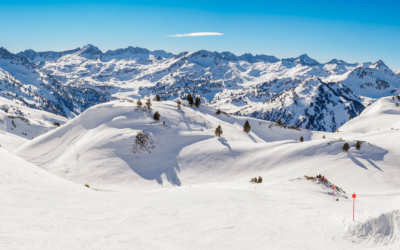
x=299, y=91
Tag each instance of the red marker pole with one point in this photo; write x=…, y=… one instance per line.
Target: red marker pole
x=333, y=192
x=354, y=201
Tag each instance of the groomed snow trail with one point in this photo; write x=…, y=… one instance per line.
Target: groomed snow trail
x=42, y=211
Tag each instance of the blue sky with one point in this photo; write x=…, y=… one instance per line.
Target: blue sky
x=350, y=30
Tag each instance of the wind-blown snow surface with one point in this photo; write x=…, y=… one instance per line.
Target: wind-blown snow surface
x=68, y=82
x=100, y=142
x=206, y=200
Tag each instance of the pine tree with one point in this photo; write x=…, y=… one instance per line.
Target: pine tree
x=178, y=104
x=218, y=131
x=350, y=117
x=358, y=145
x=156, y=116
x=197, y=102
x=323, y=137
x=279, y=122
x=246, y=127
x=189, y=98
x=148, y=103
x=346, y=147
x=397, y=104
x=158, y=98
x=259, y=179
x=139, y=103
x=218, y=112
x=301, y=139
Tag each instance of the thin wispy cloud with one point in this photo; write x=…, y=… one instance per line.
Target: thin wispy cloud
x=198, y=34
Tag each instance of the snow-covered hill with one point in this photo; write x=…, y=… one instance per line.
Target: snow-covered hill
x=20, y=120
x=69, y=82
x=99, y=144
x=101, y=147
x=210, y=197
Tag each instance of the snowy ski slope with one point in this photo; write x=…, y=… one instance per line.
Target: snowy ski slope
x=192, y=190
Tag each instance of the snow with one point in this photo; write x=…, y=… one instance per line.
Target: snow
x=10, y=142
x=184, y=188
x=25, y=122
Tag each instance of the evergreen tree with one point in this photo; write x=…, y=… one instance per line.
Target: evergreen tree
x=158, y=98
x=178, y=104
x=197, y=102
x=218, y=131
x=246, y=127
x=301, y=139
x=323, y=137
x=189, y=98
x=279, y=122
x=156, y=116
x=350, y=117
x=148, y=103
x=259, y=179
x=358, y=145
x=346, y=147
x=139, y=103
x=397, y=104
x=218, y=112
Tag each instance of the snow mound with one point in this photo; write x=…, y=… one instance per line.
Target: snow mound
x=382, y=115
x=100, y=146
x=381, y=230
x=10, y=142
x=103, y=147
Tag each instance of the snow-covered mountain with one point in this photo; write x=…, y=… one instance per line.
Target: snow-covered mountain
x=176, y=180
x=69, y=82
x=28, y=123
x=24, y=81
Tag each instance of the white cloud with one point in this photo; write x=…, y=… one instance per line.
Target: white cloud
x=198, y=34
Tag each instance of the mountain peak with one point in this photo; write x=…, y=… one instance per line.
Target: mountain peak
x=304, y=60
x=380, y=65
x=90, y=52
